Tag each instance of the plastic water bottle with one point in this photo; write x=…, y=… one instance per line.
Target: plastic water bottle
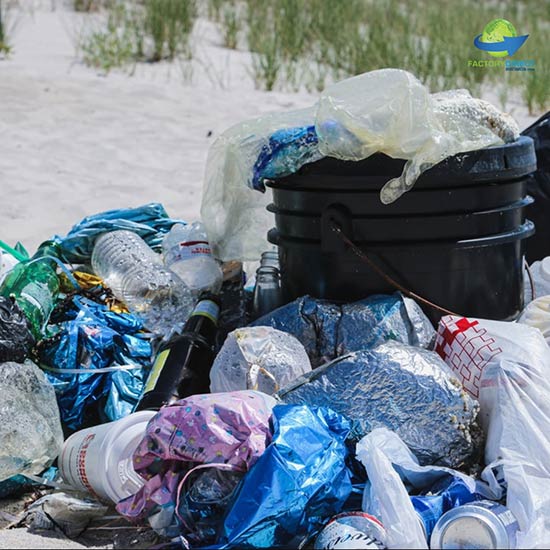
x=136, y=276
x=540, y=271
x=188, y=254
x=35, y=286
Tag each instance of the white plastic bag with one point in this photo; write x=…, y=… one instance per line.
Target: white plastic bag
x=391, y=112
x=508, y=366
x=385, y=496
x=233, y=213
x=258, y=358
x=537, y=315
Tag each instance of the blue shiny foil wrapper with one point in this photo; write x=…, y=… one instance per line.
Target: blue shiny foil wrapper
x=150, y=221
x=299, y=482
x=328, y=330
x=95, y=338
x=405, y=389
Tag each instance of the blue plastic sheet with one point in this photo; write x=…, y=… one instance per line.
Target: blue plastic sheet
x=286, y=152
x=299, y=482
x=151, y=222
x=97, y=354
x=328, y=330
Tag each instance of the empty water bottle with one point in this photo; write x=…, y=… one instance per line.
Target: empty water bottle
x=188, y=254
x=136, y=276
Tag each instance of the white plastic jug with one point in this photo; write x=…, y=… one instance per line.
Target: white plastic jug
x=99, y=459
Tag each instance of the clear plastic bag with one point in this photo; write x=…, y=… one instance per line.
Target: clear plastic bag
x=391, y=112
x=233, y=213
x=258, y=358
x=30, y=430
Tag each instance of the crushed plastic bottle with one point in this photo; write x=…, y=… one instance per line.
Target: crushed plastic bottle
x=30, y=429
x=136, y=276
x=187, y=253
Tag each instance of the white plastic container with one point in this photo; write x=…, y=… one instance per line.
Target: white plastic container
x=99, y=459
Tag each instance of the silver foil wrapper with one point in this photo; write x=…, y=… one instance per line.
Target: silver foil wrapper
x=406, y=389
x=328, y=330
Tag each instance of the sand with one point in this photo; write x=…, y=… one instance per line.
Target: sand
x=74, y=142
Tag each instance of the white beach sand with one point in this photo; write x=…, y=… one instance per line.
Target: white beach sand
x=74, y=142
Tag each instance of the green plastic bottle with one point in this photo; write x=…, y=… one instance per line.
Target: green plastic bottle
x=35, y=286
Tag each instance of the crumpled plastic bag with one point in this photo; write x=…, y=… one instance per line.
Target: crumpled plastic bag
x=537, y=315
x=285, y=152
x=258, y=358
x=227, y=428
x=510, y=364
x=299, y=482
x=30, y=430
x=16, y=339
x=328, y=330
x=390, y=111
x=406, y=389
x=391, y=469
x=233, y=213
x=68, y=513
x=150, y=221
x=97, y=355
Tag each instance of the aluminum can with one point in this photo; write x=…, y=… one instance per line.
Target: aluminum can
x=352, y=530
x=481, y=524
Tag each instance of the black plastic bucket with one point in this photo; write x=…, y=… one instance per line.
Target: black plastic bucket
x=455, y=239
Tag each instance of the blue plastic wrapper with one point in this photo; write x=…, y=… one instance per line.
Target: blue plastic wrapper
x=18, y=484
x=150, y=221
x=98, y=353
x=299, y=482
x=286, y=152
x=328, y=330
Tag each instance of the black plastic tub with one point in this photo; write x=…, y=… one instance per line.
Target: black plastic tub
x=457, y=238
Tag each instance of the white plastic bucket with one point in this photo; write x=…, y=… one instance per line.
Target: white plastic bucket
x=99, y=459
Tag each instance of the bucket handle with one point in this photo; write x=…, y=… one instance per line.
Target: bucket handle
x=337, y=229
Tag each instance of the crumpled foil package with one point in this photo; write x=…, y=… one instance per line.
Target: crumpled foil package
x=30, y=430
x=405, y=389
x=328, y=330
x=258, y=358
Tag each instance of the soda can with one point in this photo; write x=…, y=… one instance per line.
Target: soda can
x=352, y=530
x=481, y=524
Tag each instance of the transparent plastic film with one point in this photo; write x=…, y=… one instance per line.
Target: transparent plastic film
x=390, y=111
x=233, y=212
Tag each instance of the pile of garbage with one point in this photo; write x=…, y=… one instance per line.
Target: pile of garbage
x=141, y=373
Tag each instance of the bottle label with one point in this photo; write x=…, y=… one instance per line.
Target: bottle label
x=156, y=370
x=39, y=297
x=188, y=250
x=209, y=309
